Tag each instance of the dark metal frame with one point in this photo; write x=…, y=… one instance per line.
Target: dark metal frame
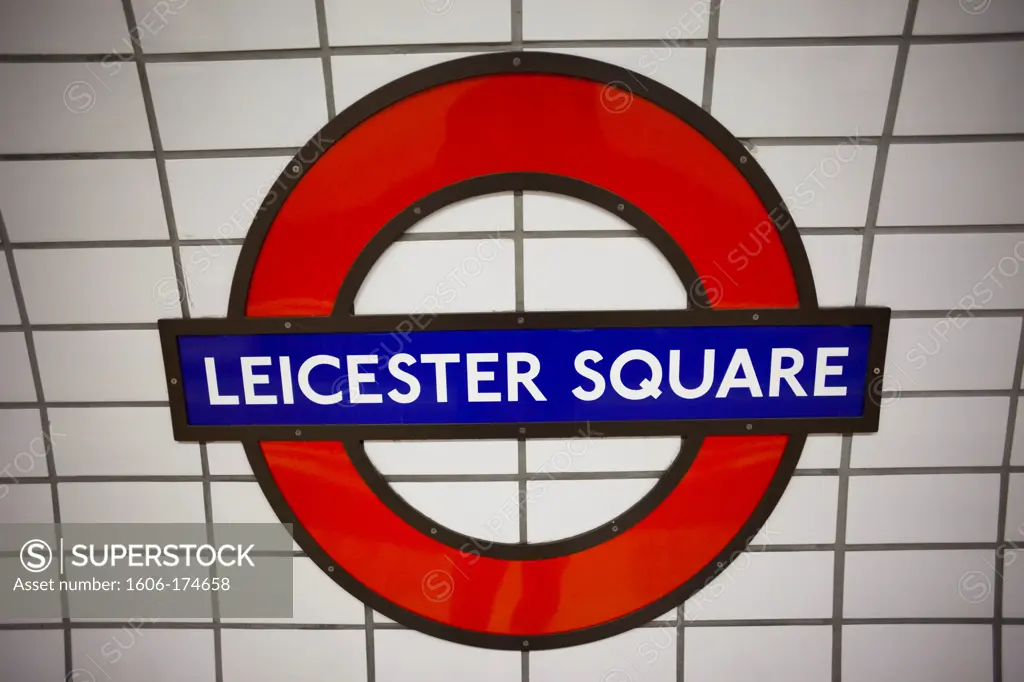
x=343, y=320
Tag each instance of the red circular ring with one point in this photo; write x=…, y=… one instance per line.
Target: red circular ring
x=529, y=122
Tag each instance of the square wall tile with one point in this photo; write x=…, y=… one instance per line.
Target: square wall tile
x=39, y=609
x=438, y=457
x=209, y=270
x=355, y=76
x=937, y=653
x=919, y=584
x=313, y=655
x=806, y=514
x=962, y=89
x=101, y=199
x=238, y=104
x=947, y=271
x=215, y=25
x=648, y=653
x=86, y=366
x=63, y=27
x=1013, y=580
x=33, y=655
x=439, y=277
x=562, y=509
x=316, y=600
x=239, y=502
x=821, y=452
x=131, y=502
x=823, y=186
x=72, y=107
x=489, y=213
x=406, y=655
x=950, y=354
x=835, y=265
x=935, y=432
x=680, y=68
x=942, y=17
x=760, y=585
x=407, y=22
x=228, y=459
x=235, y=502
x=545, y=212
x=1013, y=652
x=120, y=441
x=22, y=445
x=85, y=286
x=811, y=18
x=918, y=508
x=608, y=19
x=778, y=654
x=489, y=511
x=9, y=313
x=1015, y=511
x=589, y=453
x=18, y=385
x=131, y=653
x=953, y=184
x=26, y=503
x=779, y=91
x=598, y=274
x=219, y=198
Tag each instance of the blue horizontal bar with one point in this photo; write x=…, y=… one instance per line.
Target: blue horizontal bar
x=526, y=376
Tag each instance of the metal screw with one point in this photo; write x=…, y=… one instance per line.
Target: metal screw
x=526, y=643
x=750, y=427
x=517, y=61
x=287, y=325
x=743, y=159
x=615, y=529
x=433, y=531
x=756, y=316
x=296, y=169
x=878, y=370
x=417, y=210
x=298, y=432
x=330, y=569
x=520, y=320
x=622, y=207
x=522, y=429
x=174, y=382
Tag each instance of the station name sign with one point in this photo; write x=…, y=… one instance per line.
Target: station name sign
x=649, y=369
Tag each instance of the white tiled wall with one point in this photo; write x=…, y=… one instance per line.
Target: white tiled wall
x=883, y=561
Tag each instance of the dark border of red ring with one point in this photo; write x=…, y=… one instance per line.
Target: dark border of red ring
x=343, y=320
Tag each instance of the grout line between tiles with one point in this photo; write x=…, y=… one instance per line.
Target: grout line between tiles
x=707, y=91
x=44, y=420
x=429, y=48
x=532, y=235
x=524, y=477
x=999, y=580
x=198, y=624
x=863, y=277
x=522, y=471
x=183, y=297
x=257, y=152
x=325, y=58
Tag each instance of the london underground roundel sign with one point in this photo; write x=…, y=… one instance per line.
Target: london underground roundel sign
x=744, y=374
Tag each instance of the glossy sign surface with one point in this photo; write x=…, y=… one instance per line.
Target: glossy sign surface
x=540, y=114
x=527, y=376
